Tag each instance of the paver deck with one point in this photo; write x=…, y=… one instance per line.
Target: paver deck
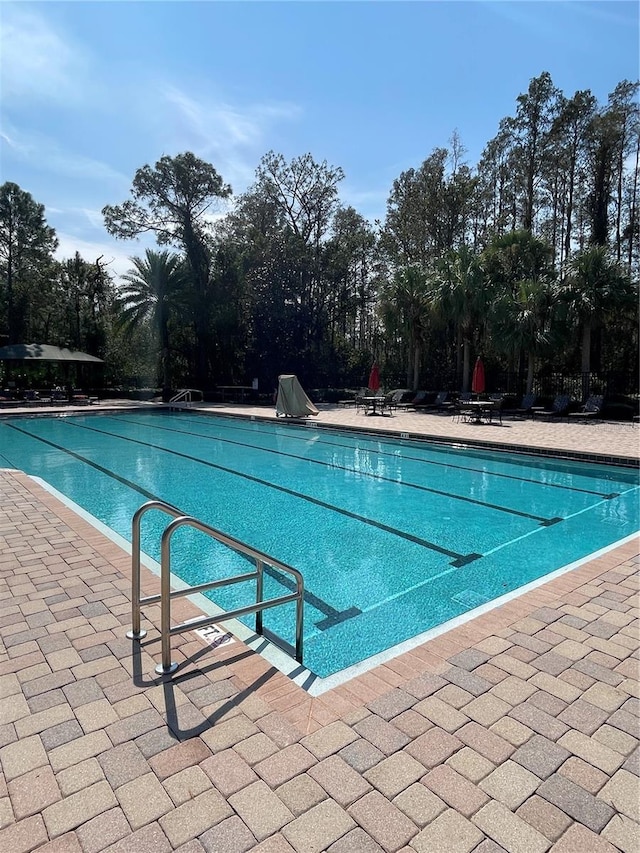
x=516, y=731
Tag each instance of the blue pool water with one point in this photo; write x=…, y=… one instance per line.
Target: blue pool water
x=393, y=537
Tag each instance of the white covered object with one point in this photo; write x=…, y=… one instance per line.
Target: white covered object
x=292, y=400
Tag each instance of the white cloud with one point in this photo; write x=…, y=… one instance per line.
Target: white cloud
x=95, y=217
x=231, y=136
x=43, y=153
x=12, y=142
x=372, y=204
x=115, y=255
x=37, y=62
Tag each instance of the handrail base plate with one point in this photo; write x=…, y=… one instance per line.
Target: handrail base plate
x=168, y=671
x=131, y=635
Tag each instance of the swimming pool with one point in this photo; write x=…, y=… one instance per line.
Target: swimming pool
x=393, y=537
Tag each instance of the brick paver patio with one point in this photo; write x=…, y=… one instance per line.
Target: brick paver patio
x=517, y=731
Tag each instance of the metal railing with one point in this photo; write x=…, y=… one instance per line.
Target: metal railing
x=167, y=594
x=185, y=397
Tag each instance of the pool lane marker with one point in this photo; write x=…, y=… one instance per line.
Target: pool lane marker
x=458, y=559
x=333, y=616
x=544, y=522
x=130, y=484
x=440, y=463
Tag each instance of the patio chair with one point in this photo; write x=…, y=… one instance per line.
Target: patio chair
x=31, y=397
x=497, y=406
x=559, y=408
x=591, y=409
x=359, y=398
x=457, y=407
x=374, y=403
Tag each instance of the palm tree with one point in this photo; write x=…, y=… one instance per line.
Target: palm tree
x=522, y=321
x=462, y=297
x=596, y=290
x=151, y=291
x=404, y=307
x=509, y=262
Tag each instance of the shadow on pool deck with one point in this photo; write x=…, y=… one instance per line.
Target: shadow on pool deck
x=517, y=731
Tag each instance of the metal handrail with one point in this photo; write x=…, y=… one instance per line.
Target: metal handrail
x=166, y=594
x=185, y=396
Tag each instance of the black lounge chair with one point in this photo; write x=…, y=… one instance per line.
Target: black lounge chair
x=439, y=404
x=58, y=396
x=559, y=408
x=415, y=400
x=524, y=410
x=591, y=409
x=394, y=398
x=348, y=401
x=33, y=397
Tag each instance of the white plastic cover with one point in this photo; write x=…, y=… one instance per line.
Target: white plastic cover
x=292, y=400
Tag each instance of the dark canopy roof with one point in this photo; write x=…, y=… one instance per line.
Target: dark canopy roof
x=44, y=352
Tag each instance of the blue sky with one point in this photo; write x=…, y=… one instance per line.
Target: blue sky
x=91, y=91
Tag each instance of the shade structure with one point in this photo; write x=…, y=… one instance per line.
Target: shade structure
x=374, y=378
x=477, y=383
x=44, y=352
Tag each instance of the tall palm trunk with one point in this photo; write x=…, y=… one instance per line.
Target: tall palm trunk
x=586, y=358
x=466, y=364
x=459, y=347
x=417, y=354
x=531, y=366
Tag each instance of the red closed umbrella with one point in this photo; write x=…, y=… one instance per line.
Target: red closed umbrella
x=374, y=378
x=477, y=383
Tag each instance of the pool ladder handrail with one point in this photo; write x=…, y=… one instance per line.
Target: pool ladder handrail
x=185, y=396
x=166, y=593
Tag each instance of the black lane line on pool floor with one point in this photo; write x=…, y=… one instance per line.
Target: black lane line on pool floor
x=544, y=522
x=458, y=559
x=445, y=464
x=333, y=616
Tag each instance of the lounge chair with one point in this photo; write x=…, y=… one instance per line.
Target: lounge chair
x=559, y=408
x=394, y=398
x=406, y=399
x=416, y=398
x=348, y=401
x=524, y=410
x=439, y=404
x=590, y=411
x=59, y=398
x=80, y=398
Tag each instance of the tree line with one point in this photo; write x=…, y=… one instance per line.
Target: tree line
x=529, y=258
